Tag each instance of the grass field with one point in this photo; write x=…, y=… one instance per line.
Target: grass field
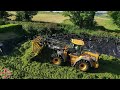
x=55, y=18
x=107, y=23
x=45, y=17
x=102, y=20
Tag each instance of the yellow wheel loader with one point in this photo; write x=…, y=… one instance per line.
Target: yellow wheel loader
x=70, y=52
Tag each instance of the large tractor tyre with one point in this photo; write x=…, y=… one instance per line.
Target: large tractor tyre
x=57, y=61
x=83, y=65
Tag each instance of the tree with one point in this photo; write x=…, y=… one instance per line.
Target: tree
x=4, y=15
x=115, y=15
x=83, y=19
x=25, y=15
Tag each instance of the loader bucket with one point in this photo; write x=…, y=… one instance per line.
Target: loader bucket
x=36, y=46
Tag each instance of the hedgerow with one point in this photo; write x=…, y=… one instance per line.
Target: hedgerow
x=12, y=28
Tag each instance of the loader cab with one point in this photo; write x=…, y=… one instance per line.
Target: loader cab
x=77, y=42
x=76, y=46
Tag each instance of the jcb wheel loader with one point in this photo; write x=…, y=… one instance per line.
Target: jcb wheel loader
x=67, y=52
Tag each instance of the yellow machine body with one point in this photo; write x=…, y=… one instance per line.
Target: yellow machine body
x=77, y=42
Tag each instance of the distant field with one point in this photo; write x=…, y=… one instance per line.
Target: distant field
x=12, y=17
x=107, y=23
x=102, y=20
x=45, y=17
x=56, y=18
x=12, y=12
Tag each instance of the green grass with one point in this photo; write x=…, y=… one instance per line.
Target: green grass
x=49, y=17
x=68, y=22
x=8, y=25
x=22, y=68
x=107, y=23
x=92, y=32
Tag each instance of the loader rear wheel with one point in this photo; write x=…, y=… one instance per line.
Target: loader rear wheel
x=56, y=61
x=83, y=65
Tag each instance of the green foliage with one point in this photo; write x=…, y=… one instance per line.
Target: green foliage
x=27, y=54
x=11, y=28
x=106, y=57
x=2, y=22
x=25, y=15
x=23, y=68
x=115, y=15
x=33, y=28
x=94, y=32
x=83, y=19
x=4, y=15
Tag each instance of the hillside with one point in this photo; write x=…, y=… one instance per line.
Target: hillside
x=22, y=68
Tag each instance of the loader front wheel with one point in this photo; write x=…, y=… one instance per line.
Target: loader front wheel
x=56, y=61
x=83, y=65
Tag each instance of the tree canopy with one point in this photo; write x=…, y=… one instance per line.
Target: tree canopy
x=83, y=19
x=115, y=15
x=25, y=15
x=4, y=15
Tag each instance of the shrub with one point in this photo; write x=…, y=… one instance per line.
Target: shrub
x=38, y=27
x=100, y=33
x=4, y=15
x=115, y=15
x=25, y=15
x=2, y=22
x=34, y=28
x=13, y=28
x=83, y=19
x=10, y=27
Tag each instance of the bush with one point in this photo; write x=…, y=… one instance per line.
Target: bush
x=83, y=19
x=12, y=28
x=115, y=15
x=2, y=22
x=34, y=28
x=25, y=15
x=38, y=27
x=100, y=33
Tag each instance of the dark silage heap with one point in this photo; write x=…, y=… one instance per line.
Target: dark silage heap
x=103, y=45
x=109, y=46
x=7, y=46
